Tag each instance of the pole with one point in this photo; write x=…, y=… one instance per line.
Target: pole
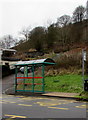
x=25, y=75
x=83, y=67
x=15, y=79
x=33, y=78
x=83, y=64
x=43, y=89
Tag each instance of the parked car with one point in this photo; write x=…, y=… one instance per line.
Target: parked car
x=22, y=69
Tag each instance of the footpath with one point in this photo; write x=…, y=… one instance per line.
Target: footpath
x=46, y=94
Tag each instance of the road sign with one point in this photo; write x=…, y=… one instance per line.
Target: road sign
x=84, y=55
x=83, y=64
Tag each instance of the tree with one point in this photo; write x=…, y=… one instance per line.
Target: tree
x=7, y=41
x=87, y=10
x=63, y=23
x=26, y=33
x=37, y=38
x=63, y=20
x=78, y=14
x=51, y=35
x=2, y=44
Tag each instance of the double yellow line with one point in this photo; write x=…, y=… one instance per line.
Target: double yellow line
x=15, y=116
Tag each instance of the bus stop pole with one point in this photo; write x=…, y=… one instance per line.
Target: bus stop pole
x=83, y=64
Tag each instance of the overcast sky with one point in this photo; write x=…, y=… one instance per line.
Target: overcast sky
x=17, y=14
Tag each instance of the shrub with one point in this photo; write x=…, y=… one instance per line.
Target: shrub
x=69, y=60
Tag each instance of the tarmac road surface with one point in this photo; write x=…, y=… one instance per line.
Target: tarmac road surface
x=41, y=107
x=7, y=82
x=14, y=106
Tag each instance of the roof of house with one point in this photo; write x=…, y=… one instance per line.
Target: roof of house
x=11, y=50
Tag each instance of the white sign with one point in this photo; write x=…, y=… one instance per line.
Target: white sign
x=84, y=56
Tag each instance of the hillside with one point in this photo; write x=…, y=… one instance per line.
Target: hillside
x=56, y=39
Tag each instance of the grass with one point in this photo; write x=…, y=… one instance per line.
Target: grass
x=83, y=95
x=71, y=83
x=64, y=83
x=61, y=83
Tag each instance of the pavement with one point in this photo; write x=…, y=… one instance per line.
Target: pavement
x=61, y=94
x=11, y=91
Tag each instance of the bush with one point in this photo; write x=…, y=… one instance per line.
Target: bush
x=69, y=60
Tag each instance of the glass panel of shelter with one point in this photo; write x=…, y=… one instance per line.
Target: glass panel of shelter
x=31, y=80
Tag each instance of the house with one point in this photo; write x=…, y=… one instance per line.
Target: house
x=32, y=53
x=6, y=57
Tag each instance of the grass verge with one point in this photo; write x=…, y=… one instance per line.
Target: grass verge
x=71, y=83
x=83, y=95
x=64, y=83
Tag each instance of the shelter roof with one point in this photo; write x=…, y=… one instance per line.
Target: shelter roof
x=33, y=62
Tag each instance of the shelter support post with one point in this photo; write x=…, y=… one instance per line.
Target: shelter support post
x=43, y=89
x=15, y=79
x=25, y=75
x=32, y=78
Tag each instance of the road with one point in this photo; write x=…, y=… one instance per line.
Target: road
x=7, y=82
x=18, y=106
x=41, y=107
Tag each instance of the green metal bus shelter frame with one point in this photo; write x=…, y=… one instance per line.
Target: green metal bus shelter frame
x=32, y=64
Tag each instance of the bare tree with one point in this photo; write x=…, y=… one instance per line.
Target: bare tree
x=63, y=20
x=26, y=33
x=87, y=10
x=78, y=14
x=7, y=41
x=2, y=44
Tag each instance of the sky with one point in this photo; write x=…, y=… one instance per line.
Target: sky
x=19, y=14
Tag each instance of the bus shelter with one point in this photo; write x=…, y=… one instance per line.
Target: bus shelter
x=32, y=79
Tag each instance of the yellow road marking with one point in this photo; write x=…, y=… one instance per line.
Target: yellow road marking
x=24, y=105
x=31, y=98
x=14, y=116
x=10, y=95
x=3, y=102
x=12, y=102
x=28, y=98
x=41, y=98
x=63, y=100
x=47, y=104
x=81, y=106
x=19, y=96
x=58, y=108
x=7, y=101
